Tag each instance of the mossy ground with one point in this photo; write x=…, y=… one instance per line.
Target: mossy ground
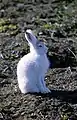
x=7, y=27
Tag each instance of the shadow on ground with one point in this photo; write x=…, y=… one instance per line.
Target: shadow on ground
x=67, y=96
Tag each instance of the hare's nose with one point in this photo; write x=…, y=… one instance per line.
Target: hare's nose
x=28, y=34
x=28, y=31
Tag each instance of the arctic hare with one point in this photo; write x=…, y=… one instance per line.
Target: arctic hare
x=32, y=67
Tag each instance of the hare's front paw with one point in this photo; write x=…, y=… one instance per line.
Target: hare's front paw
x=46, y=90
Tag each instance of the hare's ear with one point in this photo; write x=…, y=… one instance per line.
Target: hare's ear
x=30, y=37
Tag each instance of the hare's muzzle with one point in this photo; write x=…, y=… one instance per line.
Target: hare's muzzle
x=28, y=34
x=30, y=37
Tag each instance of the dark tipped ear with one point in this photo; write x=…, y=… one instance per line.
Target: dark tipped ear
x=30, y=37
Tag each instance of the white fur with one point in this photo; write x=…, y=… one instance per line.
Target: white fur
x=32, y=67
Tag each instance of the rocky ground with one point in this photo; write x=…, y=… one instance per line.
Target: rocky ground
x=54, y=21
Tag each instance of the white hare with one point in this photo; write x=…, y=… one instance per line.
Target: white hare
x=32, y=67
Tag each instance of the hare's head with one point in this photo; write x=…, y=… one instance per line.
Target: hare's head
x=35, y=45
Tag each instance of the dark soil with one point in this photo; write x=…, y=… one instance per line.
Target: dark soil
x=54, y=21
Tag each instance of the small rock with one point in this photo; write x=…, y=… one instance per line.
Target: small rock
x=12, y=109
x=20, y=6
x=22, y=113
x=1, y=56
x=1, y=116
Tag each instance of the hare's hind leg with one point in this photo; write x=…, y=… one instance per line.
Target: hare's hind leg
x=22, y=89
x=27, y=87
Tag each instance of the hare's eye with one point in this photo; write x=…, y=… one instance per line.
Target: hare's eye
x=40, y=45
